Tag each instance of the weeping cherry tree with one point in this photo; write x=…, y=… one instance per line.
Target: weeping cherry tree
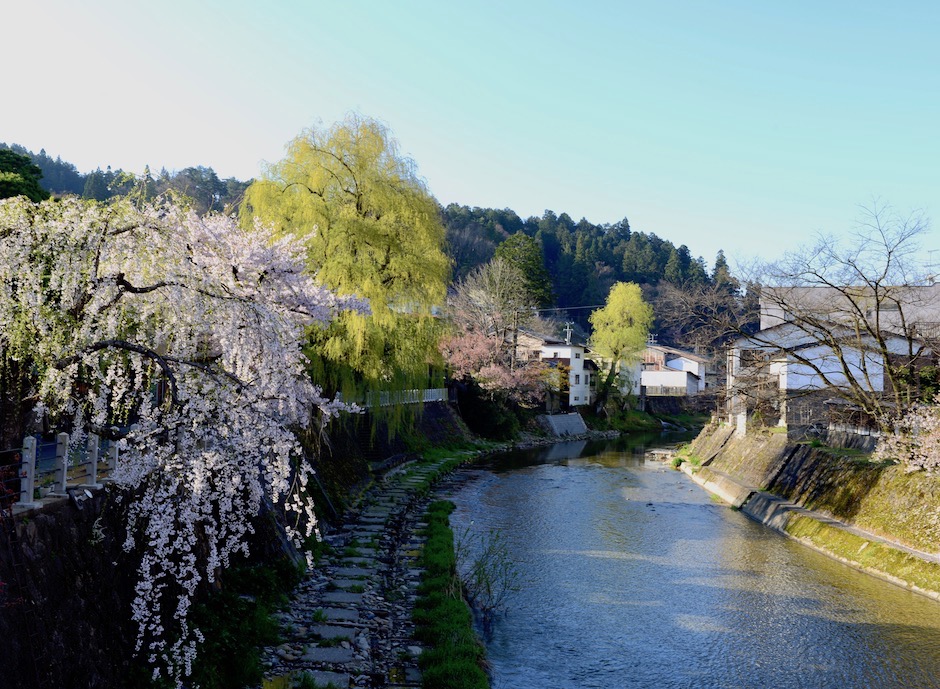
x=184, y=332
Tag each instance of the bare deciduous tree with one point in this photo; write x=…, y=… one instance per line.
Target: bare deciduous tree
x=856, y=316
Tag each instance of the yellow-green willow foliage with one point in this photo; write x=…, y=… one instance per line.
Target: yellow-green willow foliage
x=621, y=329
x=371, y=229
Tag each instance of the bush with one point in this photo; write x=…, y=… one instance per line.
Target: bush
x=486, y=415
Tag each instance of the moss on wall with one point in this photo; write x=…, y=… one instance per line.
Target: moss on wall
x=754, y=459
x=877, y=497
x=871, y=556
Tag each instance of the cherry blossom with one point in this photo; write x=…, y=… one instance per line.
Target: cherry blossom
x=915, y=439
x=180, y=336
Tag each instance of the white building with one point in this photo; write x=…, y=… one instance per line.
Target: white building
x=563, y=354
x=793, y=372
x=666, y=371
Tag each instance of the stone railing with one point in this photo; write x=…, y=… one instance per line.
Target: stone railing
x=49, y=469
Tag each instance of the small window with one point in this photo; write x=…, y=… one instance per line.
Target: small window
x=577, y=355
x=576, y=398
x=577, y=379
x=554, y=355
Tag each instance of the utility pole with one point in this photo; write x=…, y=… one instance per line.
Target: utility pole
x=515, y=340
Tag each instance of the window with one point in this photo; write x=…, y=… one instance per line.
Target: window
x=576, y=398
x=577, y=379
x=577, y=355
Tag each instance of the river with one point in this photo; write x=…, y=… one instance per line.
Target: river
x=632, y=576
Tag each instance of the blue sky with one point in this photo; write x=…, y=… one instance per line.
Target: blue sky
x=735, y=125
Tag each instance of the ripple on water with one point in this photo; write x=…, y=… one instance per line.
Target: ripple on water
x=632, y=580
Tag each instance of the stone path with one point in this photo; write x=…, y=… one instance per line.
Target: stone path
x=349, y=622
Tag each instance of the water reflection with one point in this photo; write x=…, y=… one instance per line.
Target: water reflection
x=633, y=577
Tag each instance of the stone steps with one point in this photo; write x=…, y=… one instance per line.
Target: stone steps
x=349, y=622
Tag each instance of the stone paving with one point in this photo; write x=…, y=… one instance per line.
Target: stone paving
x=349, y=622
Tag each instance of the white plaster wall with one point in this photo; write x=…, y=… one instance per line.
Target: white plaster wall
x=671, y=379
x=800, y=376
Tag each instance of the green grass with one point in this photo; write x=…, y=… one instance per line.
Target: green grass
x=688, y=420
x=685, y=454
x=623, y=421
x=464, y=448
x=454, y=657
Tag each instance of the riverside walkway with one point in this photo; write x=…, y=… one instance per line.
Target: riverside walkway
x=349, y=622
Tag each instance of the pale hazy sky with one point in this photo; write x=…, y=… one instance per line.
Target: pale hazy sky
x=745, y=126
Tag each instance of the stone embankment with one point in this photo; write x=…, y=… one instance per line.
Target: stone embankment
x=872, y=516
x=349, y=622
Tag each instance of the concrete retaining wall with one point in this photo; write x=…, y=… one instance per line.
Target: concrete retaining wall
x=871, y=516
x=720, y=485
x=564, y=424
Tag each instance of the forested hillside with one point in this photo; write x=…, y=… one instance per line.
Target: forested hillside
x=580, y=260
x=584, y=260
x=200, y=185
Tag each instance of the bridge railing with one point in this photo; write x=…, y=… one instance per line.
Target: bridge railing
x=50, y=468
x=388, y=398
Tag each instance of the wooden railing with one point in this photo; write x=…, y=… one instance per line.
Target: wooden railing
x=666, y=391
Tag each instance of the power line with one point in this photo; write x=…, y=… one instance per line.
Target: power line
x=570, y=308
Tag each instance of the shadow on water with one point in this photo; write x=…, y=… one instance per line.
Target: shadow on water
x=621, y=449
x=632, y=577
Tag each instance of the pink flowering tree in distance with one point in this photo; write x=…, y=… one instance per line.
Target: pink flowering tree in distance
x=915, y=438
x=185, y=333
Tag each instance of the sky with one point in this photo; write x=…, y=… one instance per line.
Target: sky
x=742, y=126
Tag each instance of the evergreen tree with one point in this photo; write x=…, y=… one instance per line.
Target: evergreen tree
x=20, y=177
x=524, y=253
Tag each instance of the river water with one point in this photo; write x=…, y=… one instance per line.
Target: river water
x=631, y=576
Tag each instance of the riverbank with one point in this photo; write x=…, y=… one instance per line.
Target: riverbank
x=349, y=623
x=873, y=516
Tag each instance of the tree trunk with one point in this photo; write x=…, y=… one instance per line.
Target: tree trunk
x=604, y=392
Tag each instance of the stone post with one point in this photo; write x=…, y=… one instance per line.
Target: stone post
x=112, y=453
x=28, y=474
x=62, y=463
x=92, y=461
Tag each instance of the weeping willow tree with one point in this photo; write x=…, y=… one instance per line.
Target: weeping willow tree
x=371, y=228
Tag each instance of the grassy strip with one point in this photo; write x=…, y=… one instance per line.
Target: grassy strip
x=870, y=555
x=454, y=659
x=624, y=421
x=686, y=454
x=428, y=478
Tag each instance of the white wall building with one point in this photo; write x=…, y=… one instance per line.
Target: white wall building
x=667, y=371
x=558, y=352
x=579, y=377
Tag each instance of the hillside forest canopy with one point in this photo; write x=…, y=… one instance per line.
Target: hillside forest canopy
x=580, y=260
